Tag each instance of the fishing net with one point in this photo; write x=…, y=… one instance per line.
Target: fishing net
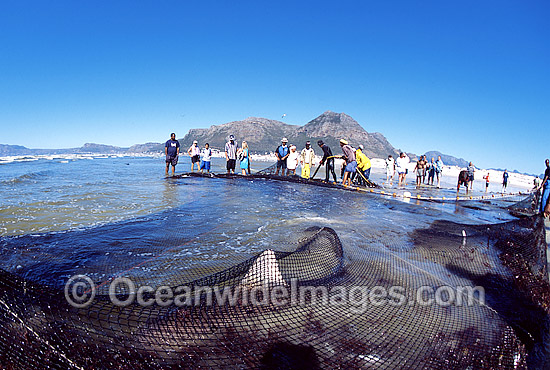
x=359, y=181
x=457, y=297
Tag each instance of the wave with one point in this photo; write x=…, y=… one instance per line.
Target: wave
x=31, y=176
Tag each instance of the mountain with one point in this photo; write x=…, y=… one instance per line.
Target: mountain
x=146, y=148
x=448, y=160
x=261, y=134
x=18, y=150
x=264, y=135
x=331, y=127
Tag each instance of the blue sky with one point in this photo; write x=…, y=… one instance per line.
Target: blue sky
x=467, y=78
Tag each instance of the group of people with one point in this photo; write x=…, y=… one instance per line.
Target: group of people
x=288, y=159
x=466, y=179
x=202, y=157
x=356, y=165
x=432, y=169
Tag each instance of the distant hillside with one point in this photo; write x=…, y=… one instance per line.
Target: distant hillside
x=448, y=160
x=18, y=150
x=264, y=135
x=261, y=134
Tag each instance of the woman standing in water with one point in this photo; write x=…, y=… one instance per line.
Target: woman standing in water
x=244, y=158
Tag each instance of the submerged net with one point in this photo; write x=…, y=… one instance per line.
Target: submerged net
x=362, y=307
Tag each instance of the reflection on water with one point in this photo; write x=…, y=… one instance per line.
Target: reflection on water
x=117, y=217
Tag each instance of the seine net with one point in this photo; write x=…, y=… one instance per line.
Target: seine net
x=377, y=306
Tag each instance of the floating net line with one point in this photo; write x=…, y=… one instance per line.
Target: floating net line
x=329, y=324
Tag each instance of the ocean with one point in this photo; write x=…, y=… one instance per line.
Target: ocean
x=105, y=217
x=89, y=208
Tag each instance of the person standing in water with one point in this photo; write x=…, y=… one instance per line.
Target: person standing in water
x=206, y=155
x=401, y=164
x=244, y=158
x=504, y=181
x=545, y=195
x=231, y=154
x=351, y=162
x=486, y=178
x=390, y=168
x=438, y=170
x=282, y=153
x=363, y=165
x=195, y=154
x=431, y=172
x=172, y=151
x=471, y=171
x=306, y=160
x=292, y=161
x=328, y=159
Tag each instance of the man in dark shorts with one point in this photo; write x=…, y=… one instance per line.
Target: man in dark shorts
x=463, y=179
x=195, y=154
x=282, y=152
x=504, y=181
x=328, y=158
x=231, y=154
x=172, y=150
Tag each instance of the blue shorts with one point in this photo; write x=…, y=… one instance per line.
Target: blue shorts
x=351, y=167
x=205, y=165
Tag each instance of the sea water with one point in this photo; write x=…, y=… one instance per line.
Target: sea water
x=105, y=215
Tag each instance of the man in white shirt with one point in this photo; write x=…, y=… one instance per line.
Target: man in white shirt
x=401, y=164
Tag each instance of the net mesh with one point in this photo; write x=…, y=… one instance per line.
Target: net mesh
x=318, y=306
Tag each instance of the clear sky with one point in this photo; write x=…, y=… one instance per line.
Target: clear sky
x=467, y=78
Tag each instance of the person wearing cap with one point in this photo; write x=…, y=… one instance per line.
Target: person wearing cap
x=351, y=162
x=172, y=150
x=195, y=154
x=306, y=160
x=363, y=165
x=329, y=159
x=231, y=148
x=292, y=160
x=282, y=153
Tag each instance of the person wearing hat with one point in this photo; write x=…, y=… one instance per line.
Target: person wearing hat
x=329, y=159
x=306, y=160
x=231, y=148
x=351, y=162
x=282, y=153
x=172, y=150
x=195, y=154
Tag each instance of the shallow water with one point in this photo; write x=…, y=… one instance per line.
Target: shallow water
x=109, y=217
x=105, y=216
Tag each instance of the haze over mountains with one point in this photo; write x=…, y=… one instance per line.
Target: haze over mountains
x=262, y=135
